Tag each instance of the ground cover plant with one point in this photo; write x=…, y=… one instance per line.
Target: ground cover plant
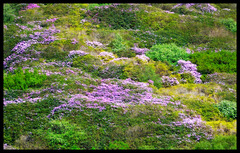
x=119, y=76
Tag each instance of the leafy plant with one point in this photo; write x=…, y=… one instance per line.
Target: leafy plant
x=218, y=143
x=120, y=48
x=119, y=145
x=87, y=62
x=228, y=109
x=230, y=24
x=167, y=52
x=209, y=62
x=23, y=80
x=142, y=73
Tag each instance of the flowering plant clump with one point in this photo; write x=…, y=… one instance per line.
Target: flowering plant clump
x=107, y=54
x=203, y=7
x=187, y=66
x=51, y=20
x=94, y=44
x=143, y=57
x=24, y=47
x=139, y=51
x=73, y=53
x=116, y=94
x=31, y=6
x=169, y=81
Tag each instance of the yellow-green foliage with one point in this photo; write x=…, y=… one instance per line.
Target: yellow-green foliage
x=205, y=92
x=162, y=69
x=223, y=127
x=157, y=20
x=205, y=108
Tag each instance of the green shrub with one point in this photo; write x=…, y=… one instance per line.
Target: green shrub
x=162, y=68
x=188, y=77
x=218, y=143
x=21, y=80
x=62, y=135
x=167, y=52
x=230, y=24
x=114, y=17
x=87, y=62
x=209, y=62
x=228, y=109
x=8, y=13
x=142, y=73
x=206, y=109
x=9, y=40
x=111, y=70
x=225, y=78
x=54, y=52
x=119, y=145
x=120, y=48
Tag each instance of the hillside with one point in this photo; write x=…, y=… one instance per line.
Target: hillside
x=148, y=76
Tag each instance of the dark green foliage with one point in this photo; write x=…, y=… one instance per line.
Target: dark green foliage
x=118, y=145
x=209, y=62
x=111, y=70
x=218, y=143
x=62, y=135
x=114, y=17
x=230, y=24
x=54, y=52
x=226, y=78
x=25, y=117
x=8, y=13
x=167, y=52
x=120, y=47
x=23, y=80
x=188, y=77
x=142, y=73
x=206, y=109
x=88, y=63
x=228, y=109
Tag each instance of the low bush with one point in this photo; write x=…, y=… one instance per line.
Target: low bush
x=62, y=135
x=87, y=62
x=221, y=78
x=230, y=24
x=167, y=52
x=54, y=52
x=118, y=145
x=23, y=80
x=228, y=109
x=114, y=16
x=209, y=62
x=206, y=109
x=111, y=70
x=223, y=127
x=120, y=47
x=162, y=69
x=142, y=73
x=218, y=143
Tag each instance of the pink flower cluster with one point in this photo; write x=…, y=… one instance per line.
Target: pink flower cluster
x=169, y=81
x=51, y=20
x=139, y=51
x=143, y=57
x=74, y=41
x=119, y=93
x=187, y=66
x=44, y=37
x=106, y=54
x=94, y=44
x=31, y=6
x=204, y=7
x=73, y=53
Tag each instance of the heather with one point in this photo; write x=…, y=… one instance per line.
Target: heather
x=114, y=76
